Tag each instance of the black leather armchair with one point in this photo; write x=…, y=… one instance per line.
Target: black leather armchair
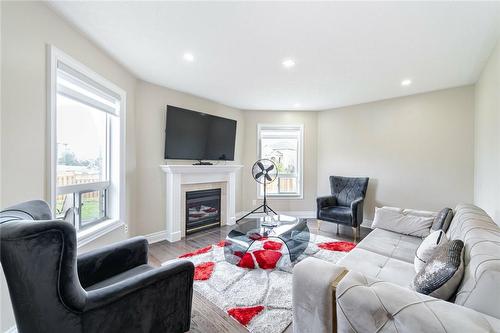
x=345, y=205
x=112, y=289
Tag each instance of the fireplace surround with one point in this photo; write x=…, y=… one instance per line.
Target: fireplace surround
x=180, y=178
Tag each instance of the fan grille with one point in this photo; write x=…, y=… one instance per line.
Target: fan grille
x=264, y=170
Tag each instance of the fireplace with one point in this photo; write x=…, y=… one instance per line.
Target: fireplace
x=202, y=209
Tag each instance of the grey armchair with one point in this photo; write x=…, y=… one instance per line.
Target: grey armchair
x=345, y=205
x=112, y=289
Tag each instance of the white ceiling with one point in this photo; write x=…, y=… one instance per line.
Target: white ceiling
x=345, y=52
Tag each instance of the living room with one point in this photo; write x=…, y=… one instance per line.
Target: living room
x=359, y=132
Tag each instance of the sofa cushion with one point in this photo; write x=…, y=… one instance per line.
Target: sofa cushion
x=391, y=244
x=339, y=213
x=403, y=221
x=443, y=220
x=379, y=266
x=428, y=247
x=479, y=288
x=442, y=273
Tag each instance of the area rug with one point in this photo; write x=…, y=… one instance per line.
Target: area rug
x=257, y=292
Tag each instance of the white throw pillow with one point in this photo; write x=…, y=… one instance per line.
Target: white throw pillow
x=408, y=211
x=403, y=221
x=428, y=247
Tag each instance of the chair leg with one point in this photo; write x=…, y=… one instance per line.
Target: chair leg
x=355, y=234
x=319, y=223
x=337, y=228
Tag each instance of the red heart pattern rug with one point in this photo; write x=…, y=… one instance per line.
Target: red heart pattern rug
x=257, y=292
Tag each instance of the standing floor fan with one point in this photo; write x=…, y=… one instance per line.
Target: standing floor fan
x=264, y=171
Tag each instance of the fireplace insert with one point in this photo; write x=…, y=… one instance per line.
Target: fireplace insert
x=202, y=210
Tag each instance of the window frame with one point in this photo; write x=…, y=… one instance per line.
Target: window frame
x=115, y=165
x=300, y=160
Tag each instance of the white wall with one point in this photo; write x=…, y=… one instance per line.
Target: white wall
x=308, y=119
x=417, y=150
x=6, y=314
x=487, y=138
x=151, y=102
x=26, y=29
x=0, y=106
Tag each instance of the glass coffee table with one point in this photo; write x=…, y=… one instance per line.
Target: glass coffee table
x=292, y=231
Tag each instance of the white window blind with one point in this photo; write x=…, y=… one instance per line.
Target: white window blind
x=77, y=86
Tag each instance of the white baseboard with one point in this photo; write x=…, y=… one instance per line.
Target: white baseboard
x=156, y=237
x=367, y=223
x=302, y=214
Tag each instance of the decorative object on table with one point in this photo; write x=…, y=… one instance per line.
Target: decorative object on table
x=264, y=172
x=345, y=204
x=111, y=289
x=269, y=221
x=257, y=291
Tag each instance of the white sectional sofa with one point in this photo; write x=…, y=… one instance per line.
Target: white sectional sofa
x=369, y=289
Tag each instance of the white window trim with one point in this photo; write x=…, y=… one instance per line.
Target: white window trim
x=300, y=172
x=53, y=56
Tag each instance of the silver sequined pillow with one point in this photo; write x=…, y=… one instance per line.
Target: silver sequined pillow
x=443, y=272
x=427, y=248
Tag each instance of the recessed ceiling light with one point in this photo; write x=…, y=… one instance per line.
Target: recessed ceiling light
x=296, y=105
x=288, y=63
x=406, y=82
x=188, y=57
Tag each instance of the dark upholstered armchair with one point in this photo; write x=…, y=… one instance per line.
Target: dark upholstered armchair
x=345, y=205
x=112, y=289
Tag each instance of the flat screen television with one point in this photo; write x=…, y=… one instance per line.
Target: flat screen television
x=191, y=135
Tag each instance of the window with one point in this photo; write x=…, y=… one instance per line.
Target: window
x=283, y=145
x=87, y=144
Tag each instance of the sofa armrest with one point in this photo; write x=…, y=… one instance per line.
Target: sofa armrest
x=365, y=304
x=314, y=282
x=326, y=201
x=100, y=264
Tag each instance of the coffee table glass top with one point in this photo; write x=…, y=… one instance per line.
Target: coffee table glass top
x=292, y=231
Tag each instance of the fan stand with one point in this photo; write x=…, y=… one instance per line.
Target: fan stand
x=265, y=208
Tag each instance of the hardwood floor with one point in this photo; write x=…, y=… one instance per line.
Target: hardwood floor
x=206, y=317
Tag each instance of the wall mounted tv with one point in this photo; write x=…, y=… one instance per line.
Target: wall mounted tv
x=191, y=135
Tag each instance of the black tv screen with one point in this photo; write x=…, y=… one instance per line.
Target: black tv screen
x=191, y=135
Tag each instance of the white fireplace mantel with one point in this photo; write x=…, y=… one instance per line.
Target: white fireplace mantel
x=178, y=175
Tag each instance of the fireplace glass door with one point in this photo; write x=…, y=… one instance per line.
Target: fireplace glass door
x=202, y=209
